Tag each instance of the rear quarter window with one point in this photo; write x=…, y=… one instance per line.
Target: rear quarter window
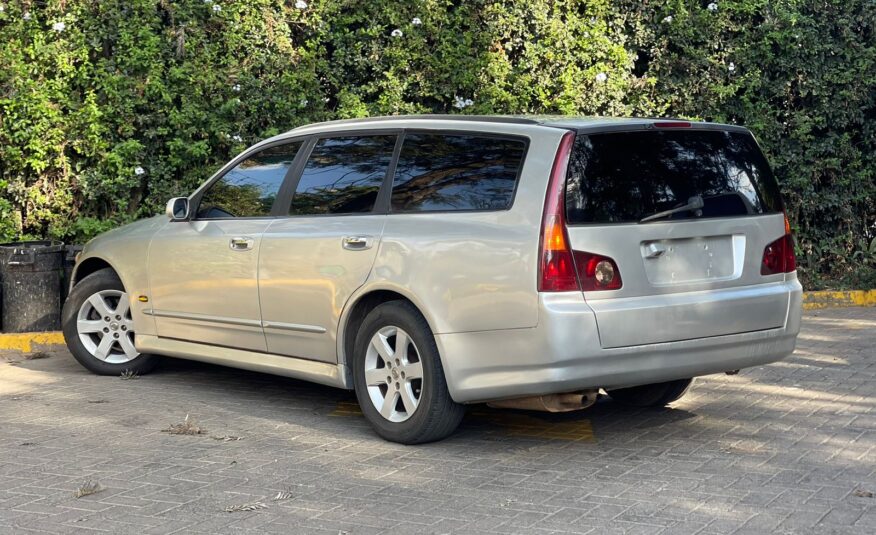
x=622, y=177
x=450, y=172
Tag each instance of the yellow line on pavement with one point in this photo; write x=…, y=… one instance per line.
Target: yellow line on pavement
x=25, y=342
x=828, y=299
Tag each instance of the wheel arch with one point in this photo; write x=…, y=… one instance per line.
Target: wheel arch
x=88, y=266
x=359, y=306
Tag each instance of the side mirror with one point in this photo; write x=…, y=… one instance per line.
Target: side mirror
x=177, y=209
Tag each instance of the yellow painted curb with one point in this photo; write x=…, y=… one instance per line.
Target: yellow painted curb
x=829, y=299
x=25, y=342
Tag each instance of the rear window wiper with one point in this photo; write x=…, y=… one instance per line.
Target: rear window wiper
x=695, y=203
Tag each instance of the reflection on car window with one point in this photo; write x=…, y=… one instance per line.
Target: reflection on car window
x=625, y=176
x=250, y=188
x=343, y=175
x=456, y=172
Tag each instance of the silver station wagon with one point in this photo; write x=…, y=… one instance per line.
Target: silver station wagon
x=429, y=262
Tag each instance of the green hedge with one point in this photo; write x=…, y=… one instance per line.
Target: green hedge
x=109, y=107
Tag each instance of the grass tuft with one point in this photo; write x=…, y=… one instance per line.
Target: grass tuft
x=187, y=427
x=282, y=495
x=128, y=375
x=87, y=488
x=255, y=506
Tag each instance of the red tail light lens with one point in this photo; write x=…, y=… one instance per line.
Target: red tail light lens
x=778, y=257
x=672, y=124
x=556, y=268
x=597, y=272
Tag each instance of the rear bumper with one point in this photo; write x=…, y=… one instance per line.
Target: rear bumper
x=563, y=353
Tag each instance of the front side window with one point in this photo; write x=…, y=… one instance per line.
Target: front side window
x=343, y=175
x=449, y=172
x=250, y=188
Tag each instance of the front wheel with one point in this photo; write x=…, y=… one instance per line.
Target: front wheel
x=398, y=377
x=98, y=327
x=653, y=395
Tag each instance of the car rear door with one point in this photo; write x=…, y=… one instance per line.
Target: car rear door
x=687, y=271
x=322, y=250
x=204, y=272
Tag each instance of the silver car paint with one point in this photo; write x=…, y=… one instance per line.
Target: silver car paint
x=472, y=275
x=306, y=276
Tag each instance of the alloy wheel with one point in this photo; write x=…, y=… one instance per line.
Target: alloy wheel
x=393, y=374
x=105, y=327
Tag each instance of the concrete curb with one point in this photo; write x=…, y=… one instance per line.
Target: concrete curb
x=30, y=342
x=832, y=299
x=49, y=341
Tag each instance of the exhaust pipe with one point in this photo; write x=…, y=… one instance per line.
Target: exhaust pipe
x=571, y=401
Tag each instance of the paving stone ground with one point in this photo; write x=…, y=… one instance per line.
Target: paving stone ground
x=784, y=448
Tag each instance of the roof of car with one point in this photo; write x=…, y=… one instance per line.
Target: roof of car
x=557, y=121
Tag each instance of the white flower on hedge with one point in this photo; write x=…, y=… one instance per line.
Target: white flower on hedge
x=303, y=102
x=601, y=77
x=217, y=8
x=469, y=102
x=396, y=33
x=2, y=8
x=139, y=171
x=59, y=26
x=416, y=21
x=208, y=1
x=235, y=87
x=731, y=66
x=300, y=4
x=667, y=19
x=712, y=7
x=26, y=15
x=236, y=138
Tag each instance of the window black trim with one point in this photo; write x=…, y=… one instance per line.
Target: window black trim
x=710, y=127
x=471, y=133
x=195, y=198
x=382, y=205
x=298, y=167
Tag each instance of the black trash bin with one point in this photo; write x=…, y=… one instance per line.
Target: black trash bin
x=30, y=273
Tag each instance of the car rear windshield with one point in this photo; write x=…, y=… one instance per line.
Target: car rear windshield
x=620, y=177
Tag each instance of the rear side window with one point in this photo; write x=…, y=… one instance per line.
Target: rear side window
x=343, y=175
x=626, y=176
x=442, y=172
x=250, y=188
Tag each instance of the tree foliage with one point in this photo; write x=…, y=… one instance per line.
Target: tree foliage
x=109, y=107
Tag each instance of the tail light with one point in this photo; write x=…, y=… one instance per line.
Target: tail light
x=778, y=256
x=597, y=272
x=556, y=267
x=557, y=264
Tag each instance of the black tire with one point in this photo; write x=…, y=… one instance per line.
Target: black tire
x=104, y=279
x=653, y=395
x=436, y=415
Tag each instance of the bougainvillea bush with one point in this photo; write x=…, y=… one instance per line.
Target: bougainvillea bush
x=109, y=107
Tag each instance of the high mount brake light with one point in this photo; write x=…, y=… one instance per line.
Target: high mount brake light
x=672, y=124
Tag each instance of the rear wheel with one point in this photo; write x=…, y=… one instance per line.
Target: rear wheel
x=653, y=395
x=398, y=377
x=98, y=327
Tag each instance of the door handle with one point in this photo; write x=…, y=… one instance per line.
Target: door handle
x=357, y=243
x=241, y=244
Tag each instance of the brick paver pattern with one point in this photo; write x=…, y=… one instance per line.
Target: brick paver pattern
x=784, y=448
